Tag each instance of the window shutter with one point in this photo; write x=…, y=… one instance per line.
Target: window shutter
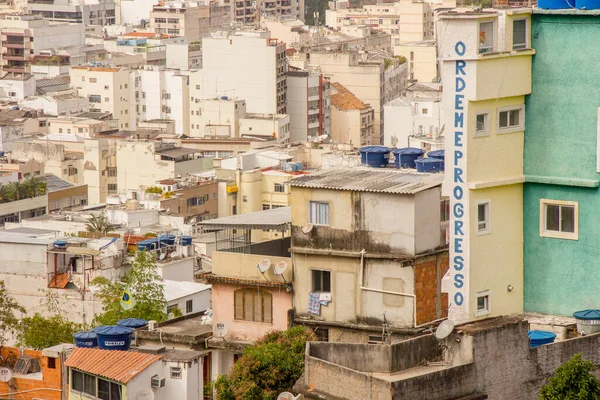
x=267, y=303
x=249, y=295
x=239, y=304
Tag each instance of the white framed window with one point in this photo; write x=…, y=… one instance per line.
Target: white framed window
x=483, y=303
x=483, y=217
x=511, y=119
x=559, y=219
x=319, y=213
x=279, y=188
x=189, y=306
x=175, y=372
x=519, y=34
x=321, y=281
x=486, y=37
x=482, y=124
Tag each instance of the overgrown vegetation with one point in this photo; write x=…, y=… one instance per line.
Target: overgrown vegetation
x=154, y=189
x=144, y=285
x=268, y=368
x=572, y=381
x=29, y=188
x=98, y=223
x=10, y=311
x=38, y=332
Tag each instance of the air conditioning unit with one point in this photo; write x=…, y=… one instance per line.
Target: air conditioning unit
x=157, y=382
x=152, y=325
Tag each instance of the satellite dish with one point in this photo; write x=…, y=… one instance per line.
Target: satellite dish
x=280, y=267
x=444, y=329
x=170, y=316
x=306, y=229
x=145, y=394
x=220, y=330
x=162, y=256
x=263, y=265
x=287, y=396
x=5, y=374
x=321, y=138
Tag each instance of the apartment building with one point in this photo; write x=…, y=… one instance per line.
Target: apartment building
x=351, y=119
x=368, y=250
x=161, y=94
x=83, y=12
x=107, y=90
x=243, y=12
x=230, y=58
x=100, y=168
x=25, y=36
x=309, y=104
x=485, y=123
x=421, y=58
x=17, y=126
x=405, y=20
x=190, y=19
x=416, y=119
x=281, y=9
x=365, y=79
x=61, y=158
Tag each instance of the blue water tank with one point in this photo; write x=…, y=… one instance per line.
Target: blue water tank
x=556, y=4
x=167, y=240
x=299, y=166
x=148, y=244
x=375, y=156
x=289, y=167
x=86, y=339
x=538, y=338
x=406, y=156
x=586, y=4
x=439, y=154
x=185, y=240
x=429, y=165
x=114, y=337
x=134, y=323
x=60, y=244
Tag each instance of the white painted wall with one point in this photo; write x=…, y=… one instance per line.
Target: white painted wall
x=179, y=270
x=200, y=302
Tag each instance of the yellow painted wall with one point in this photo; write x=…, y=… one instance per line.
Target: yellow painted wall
x=496, y=258
x=340, y=206
x=238, y=265
x=495, y=155
x=503, y=76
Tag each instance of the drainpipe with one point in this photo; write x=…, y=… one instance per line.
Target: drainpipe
x=366, y=289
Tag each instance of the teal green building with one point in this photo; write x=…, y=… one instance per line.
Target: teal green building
x=561, y=196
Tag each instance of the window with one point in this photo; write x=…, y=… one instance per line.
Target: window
x=95, y=98
x=486, y=37
x=195, y=201
x=481, y=124
x=112, y=171
x=319, y=213
x=322, y=334
x=160, y=20
x=51, y=363
x=93, y=80
x=12, y=94
x=279, y=188
x=106, y=99
x=519, y=34
x=266, y=207
x=173, y=31
x=108, y=390
x=60, y=130
x=166, y=96
x=89, y=384
x=483, y=303
x=175, y=372
x=321, y=281
x=483, y=217
x=106, y=87
x=72, y=171
x=173, y=21
x=112, y=188
x=445, y=210
x=245, y=199
x=510, y=119
x=80, y=130
x=253, y=304
x=559, y=219
x=77, y=380
x=189, y=306
x=171, y=308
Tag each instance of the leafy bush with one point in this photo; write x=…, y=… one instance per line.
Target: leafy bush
x=268, y=368
x=572, y=381
x=38, y=332
x=154, y=189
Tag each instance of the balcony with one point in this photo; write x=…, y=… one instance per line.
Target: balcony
x=15, y=69
x=14, y=57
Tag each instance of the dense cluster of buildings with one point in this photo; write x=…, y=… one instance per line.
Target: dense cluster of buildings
x=392, y=167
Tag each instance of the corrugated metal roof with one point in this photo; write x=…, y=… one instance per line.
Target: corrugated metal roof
x=363, y=179
x=120, y=366
x=60, y=281
x=177, y=152
x=276, y=218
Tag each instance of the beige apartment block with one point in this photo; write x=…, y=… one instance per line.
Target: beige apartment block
x=421, y=58
x=107, y=90
x=191, y=19
x=351, y=119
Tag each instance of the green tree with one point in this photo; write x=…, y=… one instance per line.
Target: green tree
x=9, y=322
x=17, y=191
x=38, y=332
x=98, y=223
x=34, y=187
x=572, y=381
x=268, y=368
x=145, y=286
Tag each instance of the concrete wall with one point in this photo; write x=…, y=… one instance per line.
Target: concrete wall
x=238, y=265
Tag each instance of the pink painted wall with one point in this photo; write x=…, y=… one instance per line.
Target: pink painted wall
x=223, y=311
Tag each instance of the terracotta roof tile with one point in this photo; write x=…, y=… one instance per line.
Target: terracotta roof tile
x=60, y=281
x=120, y=366
x=241, y=281
x=345, y=99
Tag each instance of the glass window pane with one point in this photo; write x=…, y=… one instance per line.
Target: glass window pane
x=567, y=219
x=89, y=384
x=481, y=303
x=514, y=117
x=326, y=281
x=482, y=216
x=503, y=119
x=519, y=31
x=552, y=217
x=103, y=389
x=115, y=391
x=486, y=37
x=480, y=125
x=77, y=378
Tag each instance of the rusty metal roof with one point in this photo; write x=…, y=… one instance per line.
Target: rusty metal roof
x=363, y=179
x=60, y=281
x=120, y=366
